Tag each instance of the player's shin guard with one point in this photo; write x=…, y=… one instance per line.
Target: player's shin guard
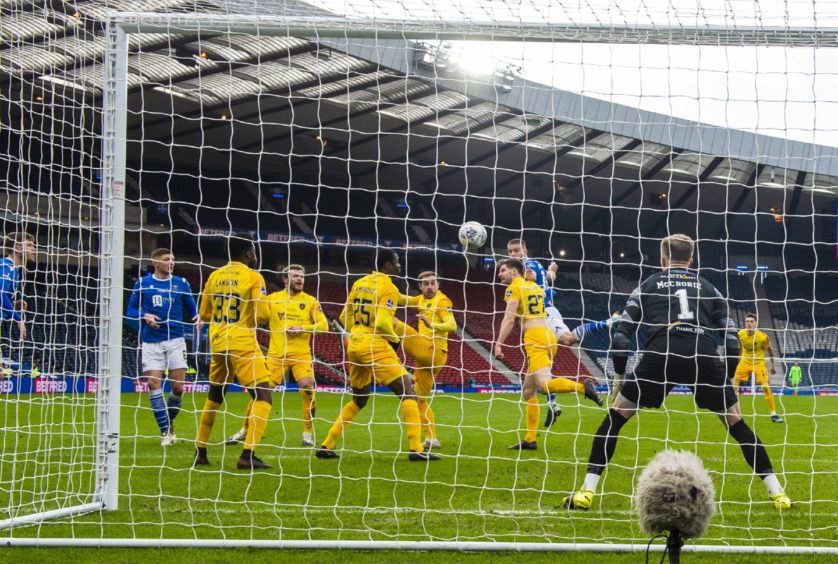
x=769, y=398
x=755, y=454
x=308, y=409
x=561, y=385
x=207, y=421
x=257, y=423
x=173, y=406
x=426, y=416
x=533, y=414
x=410, y=414
x=158, y=408
x=347, y=414
x=605, y=442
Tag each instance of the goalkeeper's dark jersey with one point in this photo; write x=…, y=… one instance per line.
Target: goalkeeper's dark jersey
x=677, y=303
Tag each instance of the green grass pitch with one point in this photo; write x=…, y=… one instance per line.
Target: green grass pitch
x=480, y=491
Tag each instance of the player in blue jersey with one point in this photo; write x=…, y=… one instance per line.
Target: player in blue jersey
x=20, y=247
x=161, y=301
x=517, y=249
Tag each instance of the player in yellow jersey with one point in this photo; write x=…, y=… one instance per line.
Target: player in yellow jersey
x=754, y=345
x=525, y=301
x=428, y=346
x=233, y=304
x=294, y=317
x=368, y=316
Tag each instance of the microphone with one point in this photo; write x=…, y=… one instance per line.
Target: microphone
x=675, y=494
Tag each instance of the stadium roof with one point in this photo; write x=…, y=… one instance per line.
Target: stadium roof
x=366, y=114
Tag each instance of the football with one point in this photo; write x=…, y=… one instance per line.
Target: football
x=472, y=235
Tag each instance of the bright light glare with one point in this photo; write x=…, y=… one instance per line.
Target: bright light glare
x=474, y=60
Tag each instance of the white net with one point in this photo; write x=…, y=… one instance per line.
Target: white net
x=327, y=144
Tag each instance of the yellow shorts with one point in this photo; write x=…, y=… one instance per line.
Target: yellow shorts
x=372, y=358
x=743, y=373
x=300, y=367
x=248, y=367
x=425, y=352
x=541, y=347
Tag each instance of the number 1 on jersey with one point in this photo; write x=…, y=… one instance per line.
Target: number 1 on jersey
x=686, y=314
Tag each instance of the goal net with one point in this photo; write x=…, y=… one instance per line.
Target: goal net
x=328, y=132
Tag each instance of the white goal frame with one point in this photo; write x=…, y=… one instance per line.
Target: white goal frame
x=114, y=137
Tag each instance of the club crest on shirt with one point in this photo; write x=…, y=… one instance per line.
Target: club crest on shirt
x=509, y=293
x=302, y=306
x=389, y=303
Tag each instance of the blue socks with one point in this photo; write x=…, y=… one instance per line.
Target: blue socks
x=158, y=408
x=586, y=328
x=174, y=402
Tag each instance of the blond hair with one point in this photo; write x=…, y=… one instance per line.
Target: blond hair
x=285, y=271
x=426, y=274
x=677, y=248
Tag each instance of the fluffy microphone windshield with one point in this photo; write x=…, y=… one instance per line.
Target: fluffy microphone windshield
x=675, y=493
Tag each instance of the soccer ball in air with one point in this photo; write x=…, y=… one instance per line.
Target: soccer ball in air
x=472, y=235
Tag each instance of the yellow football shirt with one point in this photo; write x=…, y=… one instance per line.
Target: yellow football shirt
x=301, y=310
x=530, y=298
x=370, y=307
x=753, y=347
x=439, y=311
x=233, y=304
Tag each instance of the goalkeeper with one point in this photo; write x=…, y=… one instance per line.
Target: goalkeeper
x=679, y=311
x=795, y=376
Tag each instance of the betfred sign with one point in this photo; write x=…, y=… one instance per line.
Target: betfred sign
x=47, y=386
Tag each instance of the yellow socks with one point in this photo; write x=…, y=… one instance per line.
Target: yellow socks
x=247, y=413
x=308, y=409
x=347, y=414
x=561, y=385
x=410, y=414
x=426, y=416
x=257, y=422
x=207, y=421
x=769, y=398
x=533, y=413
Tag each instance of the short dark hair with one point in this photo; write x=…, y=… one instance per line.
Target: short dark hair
x=16, y=237
x=384, y=256
x=160, y=252
x=751, y=315
x=512, y=263
x=238, y=245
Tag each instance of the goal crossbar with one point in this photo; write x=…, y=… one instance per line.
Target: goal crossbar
x=323, y=26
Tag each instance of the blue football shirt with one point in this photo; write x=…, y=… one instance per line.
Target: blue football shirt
x=170, y=300
x=9, y=286
x=541, y=280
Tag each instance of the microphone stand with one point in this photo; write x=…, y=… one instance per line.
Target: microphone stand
x=674, y=542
